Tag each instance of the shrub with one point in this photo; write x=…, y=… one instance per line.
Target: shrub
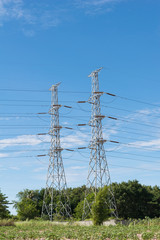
x=100, y=208
x=6, y=222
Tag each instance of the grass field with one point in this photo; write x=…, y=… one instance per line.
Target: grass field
x=146, y=229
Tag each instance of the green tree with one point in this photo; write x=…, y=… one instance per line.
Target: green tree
x=4, y=213
x=76, y=195
x=134, y=200
x=153, y=209
x=29, y=204
x=27, y=209
x=100, y=208
x=78, y=212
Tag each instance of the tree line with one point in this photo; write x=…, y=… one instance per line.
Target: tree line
x=133, y=200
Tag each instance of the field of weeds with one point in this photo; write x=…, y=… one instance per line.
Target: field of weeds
x=43, y=230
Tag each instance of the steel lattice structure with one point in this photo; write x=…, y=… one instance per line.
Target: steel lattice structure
x=55, y=202
x=98, y=173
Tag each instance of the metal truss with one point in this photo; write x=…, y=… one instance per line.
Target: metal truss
x=55, y=202
x=98, y=173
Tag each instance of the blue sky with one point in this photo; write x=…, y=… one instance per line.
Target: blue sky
x=44, y=42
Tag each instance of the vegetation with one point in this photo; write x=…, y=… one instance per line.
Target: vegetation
x=143, y=229
x=100, y=208
x=6, y=222
x=29, y=205
x=136, y=201
x=4, y=213
x=133, y=201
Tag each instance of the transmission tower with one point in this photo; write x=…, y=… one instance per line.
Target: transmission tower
x=55, y=202
x=98, y=173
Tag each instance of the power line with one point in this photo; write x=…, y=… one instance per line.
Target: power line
x=139, y=155
x=115, y=165
x=149, y=170
x=39, y=90
x=129, y=138
x=142, y=124
x=133, y=112
x=131, y=99
x=32, y=100
x=23, y=100
x=22, y=105
x=24, y=150
x=136, y=133
x=22, y=90
x=17, y=157
x=140, y=147
x=75, y=160
x=138, y=160
x=25, y=127
x=80, y=92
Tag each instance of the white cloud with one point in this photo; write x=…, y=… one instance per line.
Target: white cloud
x=153, y=144
x=78, y=167
x=23, y=140
x=146, y=115
x=65, y=123
x=30, y=14
x=108, y=133
x=75, y=140
x=14, y=168
x=151, y=167
x=3, y=155
x=4, y=118
x=76, y=178
x=28, y=32
x=95, y=2
x=11, y=9
x=96, y=6
x=3, y=169
x=40, y=169
x=139, y=130
x=47, y=14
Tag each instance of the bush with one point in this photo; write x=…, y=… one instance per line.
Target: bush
x=6, y=222
x=100, y=208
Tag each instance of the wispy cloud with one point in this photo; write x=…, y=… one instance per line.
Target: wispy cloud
x=39, y=14
x=3, y=155
x=74, y=140
x=23, y=140
x=14, y=168
x=76, y=177
x=153, y=144
x=35, y=15
x=96, y=6
x=84, y=3
x=40, y=169
x=78, y=167
x=3, y=169
x=4, y=118
x=13, y=9
x=139, y=130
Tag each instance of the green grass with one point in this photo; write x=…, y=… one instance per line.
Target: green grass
x=148, y=229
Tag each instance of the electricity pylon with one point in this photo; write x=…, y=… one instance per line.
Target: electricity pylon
x=55, y=202
x=98, y=173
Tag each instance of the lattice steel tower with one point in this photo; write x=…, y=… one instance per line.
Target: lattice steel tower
x=98, y=173
x=55, y=202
